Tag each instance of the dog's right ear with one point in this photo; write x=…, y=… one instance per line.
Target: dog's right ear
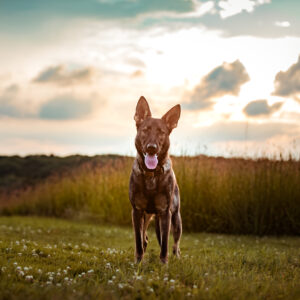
x=142, y=111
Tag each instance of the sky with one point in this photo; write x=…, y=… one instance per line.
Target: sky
x=72, y=72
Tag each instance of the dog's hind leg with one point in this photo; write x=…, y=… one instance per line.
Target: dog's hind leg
x=177, y=230
x=157, y=230
x=147, y=219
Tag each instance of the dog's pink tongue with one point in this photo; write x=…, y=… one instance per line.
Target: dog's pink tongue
x=151, y=161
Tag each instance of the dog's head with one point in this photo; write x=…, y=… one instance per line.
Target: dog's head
x=152, y=140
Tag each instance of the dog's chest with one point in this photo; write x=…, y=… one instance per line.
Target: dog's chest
x=151, y=183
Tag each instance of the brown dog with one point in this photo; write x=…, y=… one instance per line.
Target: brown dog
x=153, y=189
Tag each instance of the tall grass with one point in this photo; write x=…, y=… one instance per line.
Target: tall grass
x=217, y=195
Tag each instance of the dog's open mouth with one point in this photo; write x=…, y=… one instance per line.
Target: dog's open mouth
x=151, y=161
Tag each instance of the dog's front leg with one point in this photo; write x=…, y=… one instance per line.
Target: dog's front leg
x=165, y=232
x=138, y=223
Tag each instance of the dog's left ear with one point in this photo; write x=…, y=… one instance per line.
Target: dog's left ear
x=172, y=116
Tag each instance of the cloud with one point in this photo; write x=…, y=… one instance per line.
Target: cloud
x=283, y=24
x=61, y=75
x=232, y=7
x=65, y=108
x=287, y=84
x=9, y=105
x=260, y=108
x=223, y=80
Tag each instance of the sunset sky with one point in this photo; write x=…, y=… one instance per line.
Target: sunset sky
x=72, y=72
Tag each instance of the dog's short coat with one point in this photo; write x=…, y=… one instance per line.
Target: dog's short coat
x=154, y=191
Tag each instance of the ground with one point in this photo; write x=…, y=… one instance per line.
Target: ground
x=57, y=259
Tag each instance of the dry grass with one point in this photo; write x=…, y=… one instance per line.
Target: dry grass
x=218, y=195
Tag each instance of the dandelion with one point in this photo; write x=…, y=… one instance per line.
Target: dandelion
x=58, y=284
x=120, y=285
x=26, y=269
x=172, y=280
x=166, y=278
x=17, y=243
x=48, y=282
x=50, y=278
x=151, y=290
x=19, y=268
x=21, y=273
x=66, y=278
x=109, y=281
x=91, y=271
x=194, y=286
x=15, y=263
x=206, y=274
x=58, y=274
x=39, y=271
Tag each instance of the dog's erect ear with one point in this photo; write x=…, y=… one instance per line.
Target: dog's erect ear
x=172, y=116
x=142, y=111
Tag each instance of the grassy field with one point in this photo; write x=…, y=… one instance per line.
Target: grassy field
x=237, y=196
x=57, y=259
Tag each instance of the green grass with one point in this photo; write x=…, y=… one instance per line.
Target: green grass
x=239, y=196
x=76, y=260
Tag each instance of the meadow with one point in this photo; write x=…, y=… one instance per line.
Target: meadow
x=49, y=258
x=65, y=230
x=236, y=196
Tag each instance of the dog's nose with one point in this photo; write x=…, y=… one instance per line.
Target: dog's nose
x=151, y=147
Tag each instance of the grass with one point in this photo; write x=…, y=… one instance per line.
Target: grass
x=237, y=196
x=48, y=258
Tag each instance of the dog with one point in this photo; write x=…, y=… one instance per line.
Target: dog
x=153, y=190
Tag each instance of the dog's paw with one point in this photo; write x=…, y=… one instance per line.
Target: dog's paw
x=138, y=258
x=164, y=260
x=176, y=251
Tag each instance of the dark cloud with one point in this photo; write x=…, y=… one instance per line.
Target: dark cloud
x=65, y=108
x=223, y=80
x=287, y=84
x=23, y=17
x=8, y=104
x=61, y=75
x=260, y=108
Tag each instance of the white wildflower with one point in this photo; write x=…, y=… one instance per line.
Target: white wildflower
x=91, y=271
x=29, y=277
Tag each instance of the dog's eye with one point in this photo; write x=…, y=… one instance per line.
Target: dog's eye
x=160, y=131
